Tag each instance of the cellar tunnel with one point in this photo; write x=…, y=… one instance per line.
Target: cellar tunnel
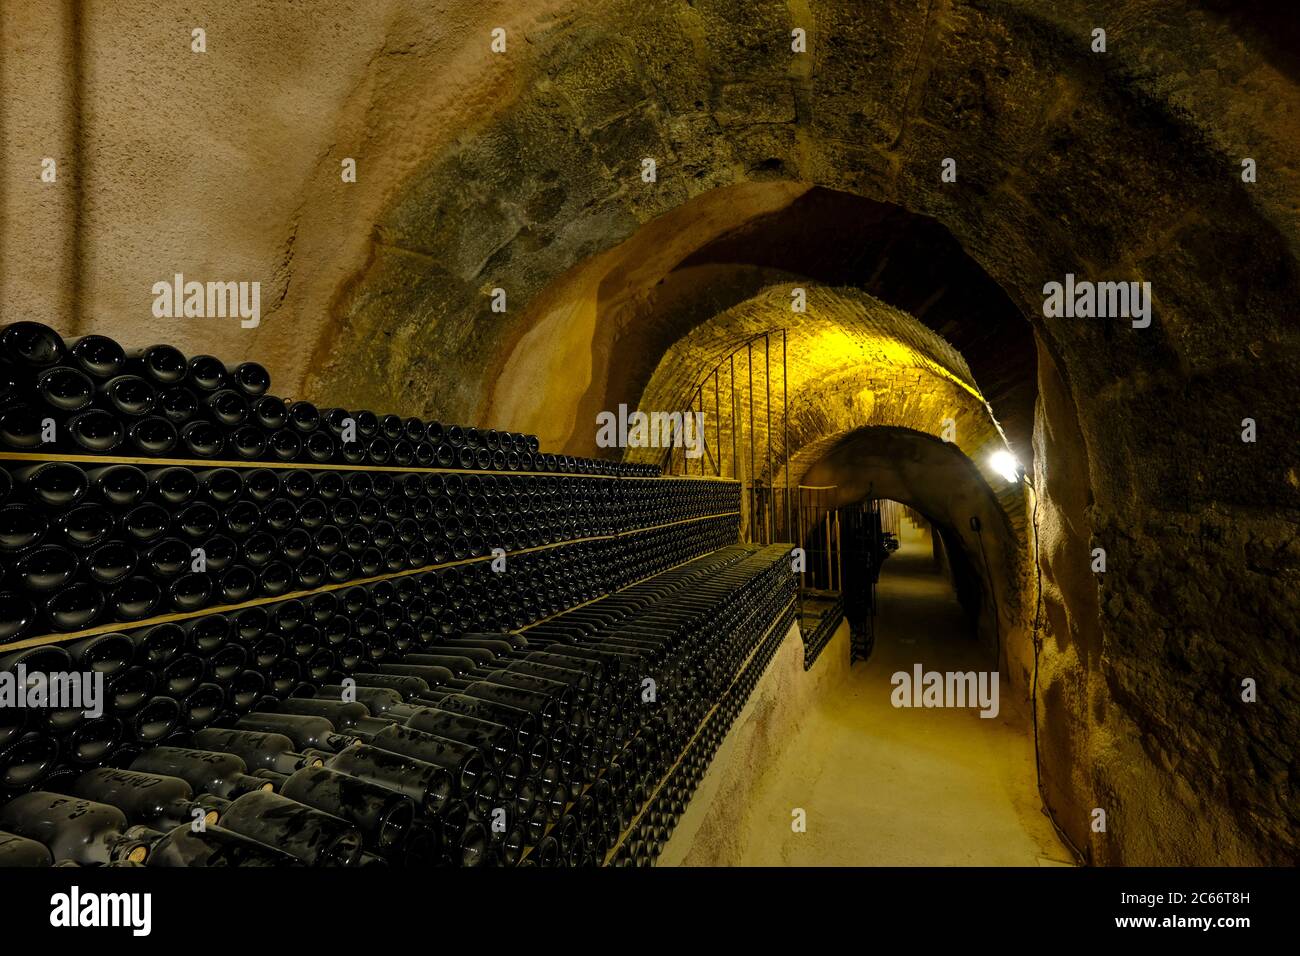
x=524, y=172
x=944, y=486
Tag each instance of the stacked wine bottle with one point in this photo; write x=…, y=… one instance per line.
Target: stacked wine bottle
x=89, y=396
x=332, y=644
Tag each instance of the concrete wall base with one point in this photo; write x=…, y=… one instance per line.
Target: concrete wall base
x=713, y=830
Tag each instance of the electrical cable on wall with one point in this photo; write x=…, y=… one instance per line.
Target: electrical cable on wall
x=1037, y=642
x=988, y=573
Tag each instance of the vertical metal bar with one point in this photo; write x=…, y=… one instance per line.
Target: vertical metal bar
x=753, y=492
x=839, y=550
x=785, y=421
x=717, y=412
x=771, y=478
x=735, y=460
x=699, y=400
x=798, y=521
x=804, y=541
x=830, y=568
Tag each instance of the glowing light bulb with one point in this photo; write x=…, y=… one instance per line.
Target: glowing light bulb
x=1005, y=464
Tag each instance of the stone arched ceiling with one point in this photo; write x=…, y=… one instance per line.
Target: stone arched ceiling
x=1011, y=92
x=818, y=237
x=907, y=261
x=852, y=362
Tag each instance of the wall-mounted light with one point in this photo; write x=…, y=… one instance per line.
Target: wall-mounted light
x=1005, y=464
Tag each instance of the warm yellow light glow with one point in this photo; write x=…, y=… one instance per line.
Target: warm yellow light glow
x=1005, y=464
x=833, y=348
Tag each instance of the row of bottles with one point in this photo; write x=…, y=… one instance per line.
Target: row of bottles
x=97, y=398
x=645, y=839
x=289, y=709
x=82, y=546
x=92, y=513
x=59, y=588
x=181, y=676
x=533, y=749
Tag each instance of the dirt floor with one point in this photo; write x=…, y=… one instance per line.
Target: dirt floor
x=879, y=785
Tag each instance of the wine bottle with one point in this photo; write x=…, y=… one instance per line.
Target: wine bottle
x=497, y=742
x=167, y=558
x=65, y=389
x=97, y=355
x=270, y=412
x=228, y=407
x=248, y=443
x=214, y=846
x=304, y=417
x=91, y=742
x=129, y=689
x=315, y=838
x=106, y=654
x=129, y=395
x=314, y=733
x=189, y=592
x=250, y=378
x=23, y=427
x=161, y=364
x=154, y=721
x=245, y=690
x=260, y=751
x=319, y=446
x=525, y=726
x=150, y=799
x=203, y=439
x=206, y=373
x=202, y=705
x=353, y=719
x=21, y=527
x=206, y=771
x=383, y=816
x=466, y=762
x=429, y=785
x=47, y=568
x=177, y=405
x=153, y=436
x=197, y=520
x=31, y=345
x=95, y=431
x=120, y=486
x=465, y=839
x=74, y=606
x=226, y=663
x=172, y=486
x=133, y=599
x=88, y=525
x=284, y=445
x=17, y=850
x=71, y=828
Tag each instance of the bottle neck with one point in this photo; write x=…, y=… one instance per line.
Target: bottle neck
x=277, y=779
x=337, y=742
x=291, y=760
x=212, y=803
x=183, y=812
x=318, y=758
x=236, y=785
x=128, y=846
